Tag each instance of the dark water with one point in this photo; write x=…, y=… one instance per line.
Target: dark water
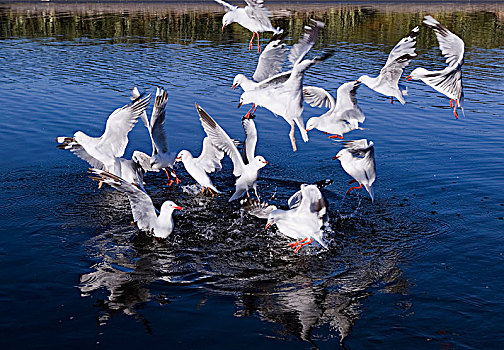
x=419, y=268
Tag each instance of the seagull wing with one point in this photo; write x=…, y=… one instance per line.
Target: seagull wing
x=115, y=138
x=271, y=59
x=221, y=140
x=306, y=42
x=346, y=103
x=210, y=157
x=144, y=213
x=399, y=57
x=73, y=146
x=274, y=80
x=318, y=97
x=158, y=133
x=227, y=7
x=249, y=146
x=255, y=9
x=452, y=47
x=143, y=159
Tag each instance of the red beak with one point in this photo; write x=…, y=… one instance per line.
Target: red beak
x=178, y=207
x=224, y=26
x=267, y=225
x=239, y=105
x=408, y=78
x=266, y=162
x=234, y=86
x=335, y=157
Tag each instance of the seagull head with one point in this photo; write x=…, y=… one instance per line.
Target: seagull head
x=238, y=79
x=417, y=74
x=181, y=156
x=365, y=79
x=260, y=162
x=341, y=155
x=169, y=205
x=227, y=19
x=245, y=98
x=312, y=123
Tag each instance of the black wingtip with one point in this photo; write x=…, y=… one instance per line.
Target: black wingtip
x=323, y=183
x=205, y=117
x=325, y=55
x=280, y=36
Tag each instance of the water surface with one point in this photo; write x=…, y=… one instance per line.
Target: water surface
x=419, y=268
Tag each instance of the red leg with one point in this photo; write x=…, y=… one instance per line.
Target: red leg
x=295, y=244
x=353, y=188
x=258, y=46
x=391, y=100
x=451, y=103
x=352, y=181
x=177, y=180
x=170, y=181
x=249, y=112
x=336, y=137
x=455, y=109
x=251, y=40
x=301, y=245
x=254, y=109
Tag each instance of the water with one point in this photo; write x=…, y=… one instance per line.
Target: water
x=419, y=268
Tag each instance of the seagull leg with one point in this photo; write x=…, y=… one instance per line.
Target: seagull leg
x=252, y=40
x=295, y=244
x=352, y=181
x=255, y=108
x=391, y=99
x=202, y=190
x=258, y=46
x=451, y=103
x=213, y=194
x=455, y=109
x=177, y=180
x=257, y=196
x=302, y=244
x=170, y=181
x=291, y=135
x=353, y=188
x=336, y=137
x=249, y=112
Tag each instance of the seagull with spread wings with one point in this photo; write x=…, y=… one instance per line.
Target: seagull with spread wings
x=387, y=82
x=161, y=157
x=255, y=17
x=246, y=173
x=358, y=161
x=344, y=114
x=449, y=80
x=105, y=152
x=286, y=99
x=160, y=224
x=304, y=219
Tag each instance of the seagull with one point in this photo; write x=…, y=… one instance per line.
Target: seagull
x=269, y=67
x=254, y=17
x=105, y=152
x=286, y=99
x=449, y=80
x=199, y=168
x=357, y=159
x=344, y=114
x=161, y=157
x=304, y=219
x=387, y=82
x=246, y=173
x=144, y=214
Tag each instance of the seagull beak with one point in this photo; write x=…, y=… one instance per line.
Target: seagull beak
x=335, y=157
x=224, y=26
x=178, y=207
x=267, y=225
x=178, y=159
x=239, y=104
x=266, y=162
x=234, y=86
x=408, y=78
x=307, y=130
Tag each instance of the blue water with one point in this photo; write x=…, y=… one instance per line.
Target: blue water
x=419, y=268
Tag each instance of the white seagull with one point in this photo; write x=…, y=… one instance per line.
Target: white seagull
x=246, y=173
x=105, y=152
x=199, y=168
x=255, y=17
x=269, y=67
x=449, y=80
x=387, y=82
x=161, y=157
x=160, y=224
x=249, y=145
x=286, y=99
x=357, y=159
x=304, y=219
x=344, y=114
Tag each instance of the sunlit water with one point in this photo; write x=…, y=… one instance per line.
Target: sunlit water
x=419, y=268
